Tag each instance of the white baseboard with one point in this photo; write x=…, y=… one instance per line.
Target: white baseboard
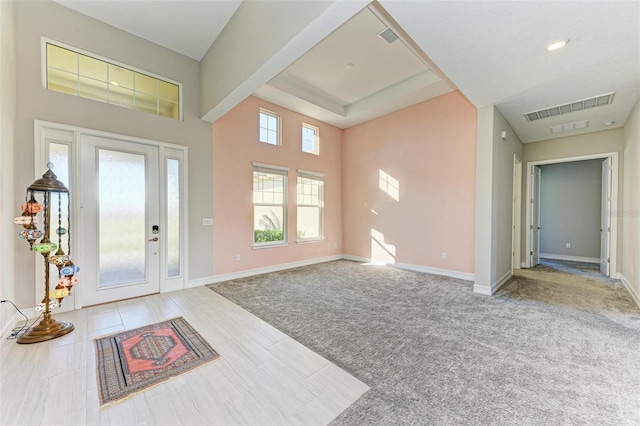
x=569, y=258
x=502, y=281
x=482, y=289
x=634, y=295
x=258, y=271
x=491, y=290
x=416, y=268
x=6, y=330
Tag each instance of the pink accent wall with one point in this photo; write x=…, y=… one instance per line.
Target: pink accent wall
x=235, y=147
x=430, y=150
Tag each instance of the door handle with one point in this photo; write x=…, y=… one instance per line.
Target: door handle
x=153, y=239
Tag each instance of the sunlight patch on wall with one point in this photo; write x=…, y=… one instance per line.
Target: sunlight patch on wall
x=390, y=185
x=381, y=250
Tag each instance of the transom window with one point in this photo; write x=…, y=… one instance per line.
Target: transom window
x=269, y=127
x=269, y=205
x=83, y=74
x=310, y=139
x=310, y=205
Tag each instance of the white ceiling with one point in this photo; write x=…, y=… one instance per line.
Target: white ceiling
x=492, y=51
x=188, y=27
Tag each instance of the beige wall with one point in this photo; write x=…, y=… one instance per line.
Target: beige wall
x=429, y=150
x=503, y=154
x=236, y=146
x=630, y=213
x=494, y=195
x=580, y=145
x=34, y=19
x=8, y=207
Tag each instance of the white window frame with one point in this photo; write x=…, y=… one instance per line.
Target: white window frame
x=277, y=130
x=44, y=69
x=318, y=176
x=275, y=170
x=48, y=132
x=316, y=141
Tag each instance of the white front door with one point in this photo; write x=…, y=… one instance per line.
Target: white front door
x=120, y=233
x=605, y=217
x=535, y=216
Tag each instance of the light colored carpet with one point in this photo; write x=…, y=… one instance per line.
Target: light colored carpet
x=550, y=348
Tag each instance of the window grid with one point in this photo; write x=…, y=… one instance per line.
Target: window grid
x=69, y=71
x=310, y=192
x=269, y=206
x=310, y=139
x=269, y=127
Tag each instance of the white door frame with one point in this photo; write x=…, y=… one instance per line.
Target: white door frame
x=605, y=220
x=614, y=202
x=71, y=135
x=516, y=228
x=534, y=206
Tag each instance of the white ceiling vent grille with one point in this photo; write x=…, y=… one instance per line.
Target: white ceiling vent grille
x=596, y=101
x=577, y=125
x=388, y=35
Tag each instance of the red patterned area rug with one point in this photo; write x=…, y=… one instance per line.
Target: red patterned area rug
x=134, y=360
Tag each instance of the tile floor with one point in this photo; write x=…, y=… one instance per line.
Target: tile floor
x=263, y=376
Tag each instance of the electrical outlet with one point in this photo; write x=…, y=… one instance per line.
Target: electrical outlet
x=207, y=222
x=567, y=245
x=445, y=256
x=237, y=258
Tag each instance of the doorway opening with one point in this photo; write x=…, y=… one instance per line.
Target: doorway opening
x=599, y=219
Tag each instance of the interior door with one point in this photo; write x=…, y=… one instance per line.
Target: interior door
x=119, y=219
x=605, y=217
x=535, y=216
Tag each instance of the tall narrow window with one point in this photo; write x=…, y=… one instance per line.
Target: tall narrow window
x=310, y=139
x=269, y=127
x=59, y=156
x=269, y=205
x=310, y=205
x=83, y=74
x=173, y=217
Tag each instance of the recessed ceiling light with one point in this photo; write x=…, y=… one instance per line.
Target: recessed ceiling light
x=114, y=83
x=609, y=123
x=349, y=66
x=557, y=45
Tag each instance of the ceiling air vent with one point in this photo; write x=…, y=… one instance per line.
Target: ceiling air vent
x=596, y=101
x=388, y=35
x=577, y=125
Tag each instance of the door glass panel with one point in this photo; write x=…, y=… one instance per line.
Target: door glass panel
x=173, y=218
x=121, y=217
x=59, y=157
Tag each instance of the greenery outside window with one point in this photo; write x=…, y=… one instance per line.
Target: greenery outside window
x=79, y=73
x=310, y=206
x=269, y=205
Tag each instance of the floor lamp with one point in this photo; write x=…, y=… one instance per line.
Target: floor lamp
x=47, y=187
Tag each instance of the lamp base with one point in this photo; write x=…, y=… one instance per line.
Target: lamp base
x=46, y=329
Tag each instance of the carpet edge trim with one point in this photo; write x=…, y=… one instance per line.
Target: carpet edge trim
x=415, y=268
x=630, y=289
x=200, y=282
